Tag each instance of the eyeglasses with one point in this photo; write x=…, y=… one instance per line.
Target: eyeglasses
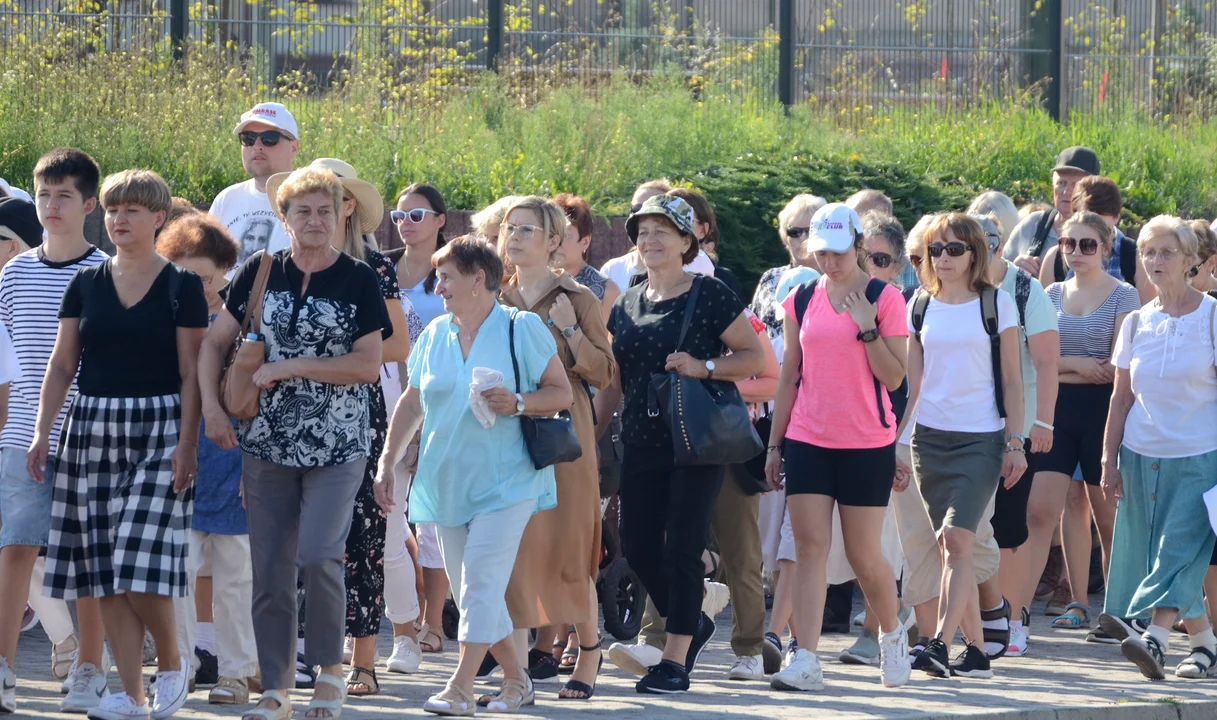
x=953, y=249
x=415, y=216
x=880, y=260
x=916, y=260
x=524, y=231
x=1150, y=254
x=269, y=138
x=795, y=233
x=1088, y=246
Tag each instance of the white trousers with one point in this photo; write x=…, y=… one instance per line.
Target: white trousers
x=226, y=559
x=401, y=593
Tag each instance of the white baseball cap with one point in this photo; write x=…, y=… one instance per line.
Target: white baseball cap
x=273, y=114
x=835, y=228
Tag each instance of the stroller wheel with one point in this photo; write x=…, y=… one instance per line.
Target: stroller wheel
x=622, y=600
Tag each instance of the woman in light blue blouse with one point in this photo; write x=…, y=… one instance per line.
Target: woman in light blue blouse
x=476, y=483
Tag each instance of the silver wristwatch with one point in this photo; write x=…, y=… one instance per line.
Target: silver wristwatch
x=519, y=404
x=709, y=369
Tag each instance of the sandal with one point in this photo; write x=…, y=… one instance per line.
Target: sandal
x=306, y=675
x=452, y=702
x=570, y=655
x=229, y=691
x=582, y=687
x=1069, y=621
x=1198, y=665
x=364, y=677
x=513, y=695
x=333, y=705
x=425, y=633
x=283, y=712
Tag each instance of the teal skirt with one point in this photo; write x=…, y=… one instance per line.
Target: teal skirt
x=1162, y=542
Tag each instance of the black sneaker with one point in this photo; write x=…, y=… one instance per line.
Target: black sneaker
x=209, y=668
x=1119, y=628
x=666, y=678
x=934, y=660
x=971, y=662
x=772, y=653
x=542, y=667
x=1147, y=654
x=486, y=669
x=705, y=631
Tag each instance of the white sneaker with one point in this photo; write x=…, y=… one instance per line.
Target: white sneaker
x=635, y=659
x=119, y=707
x=747, y=667
x=8, y=688
x=65, y=686
x=716, y=598
x=86, y=689
x=172, y=687
x=407, y=656
x=802, y=673
x=859, y=619
x=894, y=664
x=1018, y=641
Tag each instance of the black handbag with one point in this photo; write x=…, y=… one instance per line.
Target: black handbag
x=750, y=474
x=709, y=421
x=549, y=440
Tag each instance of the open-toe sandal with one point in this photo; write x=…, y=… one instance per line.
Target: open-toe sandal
x=229, y=691
x=366, y=678
x=1198, y=665
x=283, y=712
x=451, y=702
x=333, y=705
x=582, y=687
x=570, y=655
x=513, y=695
x=425, y=644
x=1072, y=621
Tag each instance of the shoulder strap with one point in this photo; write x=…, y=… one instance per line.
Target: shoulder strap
x=988, y=312
x=1022, y=292
x=1128, y=260
x=1058, y=268
x=511, y=346
x=253, y=306
x=874, y=289
x=802, y=298
x=175, y=285
x=920, y=302
x=690, y=306
x=1036, y=248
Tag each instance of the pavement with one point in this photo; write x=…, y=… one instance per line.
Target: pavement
x=1063, y=678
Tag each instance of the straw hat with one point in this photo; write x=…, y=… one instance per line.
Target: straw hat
x=368, y=201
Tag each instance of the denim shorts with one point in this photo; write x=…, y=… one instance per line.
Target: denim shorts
x=25, y=505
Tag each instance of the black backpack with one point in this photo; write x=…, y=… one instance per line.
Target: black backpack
x=988, y=316
x=874, y=288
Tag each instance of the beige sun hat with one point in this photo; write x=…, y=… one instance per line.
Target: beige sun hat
x=368, y=201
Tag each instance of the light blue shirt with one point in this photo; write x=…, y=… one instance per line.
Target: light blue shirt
x=1040, y=317
x=428, y=305
x=465, y=470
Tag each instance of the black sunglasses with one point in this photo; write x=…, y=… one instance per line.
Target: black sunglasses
x=880, y=260
x=954, y=249
x=1088, y=246
x=916, y=260
x=794, y=233
x=635, y=208
x=269, y=138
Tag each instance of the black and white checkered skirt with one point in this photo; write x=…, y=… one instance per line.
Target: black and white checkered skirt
x=116, y=523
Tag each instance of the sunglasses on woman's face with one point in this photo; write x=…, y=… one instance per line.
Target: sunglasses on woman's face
x=415, y=216
x=797, y=233
x=916, y=260
x=1088, y=246
x=953, y=249
x=880, y=260
x=270, y=138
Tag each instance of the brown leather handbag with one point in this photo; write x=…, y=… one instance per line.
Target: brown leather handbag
x=238, y=394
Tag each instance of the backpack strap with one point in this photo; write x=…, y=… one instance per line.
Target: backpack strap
x=874, y=289
x=920, y=302
x=1022, y=292
x=1128, y=260
x=802, y=298
x=1058, y=268
x=1042, y=228
x=988, y=313
x=175, y=286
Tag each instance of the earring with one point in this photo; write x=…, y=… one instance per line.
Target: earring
x=475, y=292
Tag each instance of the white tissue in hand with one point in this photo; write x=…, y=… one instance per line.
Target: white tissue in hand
x=483, y=379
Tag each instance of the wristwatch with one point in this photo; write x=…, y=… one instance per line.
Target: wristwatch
x=519, y=404
x=709, y=369
x=569, y=332
x=869, y=336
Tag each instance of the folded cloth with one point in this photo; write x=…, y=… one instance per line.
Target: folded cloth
x=483, y=380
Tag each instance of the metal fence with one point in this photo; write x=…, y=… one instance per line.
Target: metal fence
x=1152, y=55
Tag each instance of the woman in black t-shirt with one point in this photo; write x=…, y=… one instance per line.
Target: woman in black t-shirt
x=662, y=505
x=120, y=521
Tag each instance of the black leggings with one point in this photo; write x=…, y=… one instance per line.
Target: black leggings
x=665, y=519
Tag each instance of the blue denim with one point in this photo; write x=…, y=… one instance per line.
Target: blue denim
x=25, y=505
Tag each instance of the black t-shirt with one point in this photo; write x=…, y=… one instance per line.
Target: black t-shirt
x=645, y=333
x=729, y=280
x=131, y=352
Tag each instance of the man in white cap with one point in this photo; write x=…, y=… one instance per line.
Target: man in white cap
x=269, y=142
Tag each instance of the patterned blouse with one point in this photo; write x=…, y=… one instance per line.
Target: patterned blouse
x=594, y=280
x=764, y=301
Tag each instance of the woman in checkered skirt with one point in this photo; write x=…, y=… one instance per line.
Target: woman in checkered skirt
x=122, y=473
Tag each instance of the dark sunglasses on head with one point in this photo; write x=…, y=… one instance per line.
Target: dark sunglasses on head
x=1088, y=246
x=270, y=138
x=953, y=249
x=880, y=260
x=415, y=216
x=916, y=260
x=794, y=233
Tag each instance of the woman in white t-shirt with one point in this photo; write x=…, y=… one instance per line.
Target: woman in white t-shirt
x=1160, y=458
x=958, y=453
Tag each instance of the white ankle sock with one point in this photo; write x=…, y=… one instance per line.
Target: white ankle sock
x=1161, y=634
x=205, y=637
x=1205, y=640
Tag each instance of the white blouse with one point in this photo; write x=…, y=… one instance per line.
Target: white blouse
x=1173, y=363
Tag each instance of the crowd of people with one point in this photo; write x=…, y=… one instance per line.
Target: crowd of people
x=241, y=441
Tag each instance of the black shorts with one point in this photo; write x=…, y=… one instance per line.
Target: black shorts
x=861, y=478
x=1010, y=506
x=1077, y=436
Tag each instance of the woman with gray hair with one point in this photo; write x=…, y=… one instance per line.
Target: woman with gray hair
x=794, y=224
x=1000, y=206
x=323, y=321
x=883, y=240
x=1160, y=458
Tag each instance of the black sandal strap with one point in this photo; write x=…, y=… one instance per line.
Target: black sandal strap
x=1205, y=652
x=590, y=648
x=580, y=687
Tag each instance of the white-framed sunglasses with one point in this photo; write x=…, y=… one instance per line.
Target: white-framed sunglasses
x=415, y=216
